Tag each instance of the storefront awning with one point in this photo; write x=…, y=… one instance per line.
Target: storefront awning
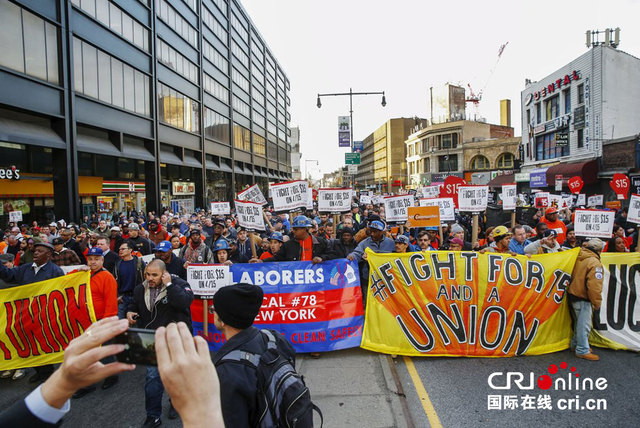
x=238, y=169
x=587, y=170
x=499, y=180
x=273, y=176
x=192, y=161
x=168, y=156
x=224, y=167
x=209, y=164
x=93, y=144
x=260, y=173
x=135, y=151
x=14, y=131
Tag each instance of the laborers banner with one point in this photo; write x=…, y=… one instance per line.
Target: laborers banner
x=39, y=320
x=468, y=304
x=616, y=324
x=316, y=307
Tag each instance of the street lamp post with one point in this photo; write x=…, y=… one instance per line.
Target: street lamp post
x=350, y=94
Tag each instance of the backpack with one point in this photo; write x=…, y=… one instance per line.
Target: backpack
x=284, y=399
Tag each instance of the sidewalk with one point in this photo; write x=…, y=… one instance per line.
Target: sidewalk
x=353, y=388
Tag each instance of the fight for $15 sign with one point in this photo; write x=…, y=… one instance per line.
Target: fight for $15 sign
x=594, y=223
x=634, y=209
x=289, y=195
x=334, y=200
x=473, y=198
x=509, y=196
x=253, y=194
x=447, y=212
x=206, y=279
x=395, y=207
x=220, y=208
x=249, y=215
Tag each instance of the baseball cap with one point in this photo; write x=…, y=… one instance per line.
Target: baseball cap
x=549, y=232
x=57, y=241
x=53, y=225
x=163, y=247
x=595, y=244
x=7, y=258
x=116, y=228
x=134, y=226
x=376, y=224
x=39, y=243
x=402, y=239
x=551, y=210
x=354, y=205
x=457, y=241
x=194, y=232
x=95, y=251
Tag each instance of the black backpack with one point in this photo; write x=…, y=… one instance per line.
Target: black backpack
x=284, y=399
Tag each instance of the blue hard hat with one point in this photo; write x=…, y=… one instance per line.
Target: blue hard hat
x=431, y=228
x=301, y=221
x=95, y=251
x=221, y=244
x=276, y=236
x=164, y=246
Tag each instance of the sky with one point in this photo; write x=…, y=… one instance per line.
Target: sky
x=403, y=47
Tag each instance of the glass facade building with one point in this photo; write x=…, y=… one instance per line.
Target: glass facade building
x=149, y=92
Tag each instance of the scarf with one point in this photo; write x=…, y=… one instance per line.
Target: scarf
x=307, y=249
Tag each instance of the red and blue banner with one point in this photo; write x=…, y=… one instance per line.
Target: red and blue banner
x=316, y=307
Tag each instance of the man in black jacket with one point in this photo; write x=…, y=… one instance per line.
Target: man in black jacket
x=161, y=299
x=303, y=246
x=175, y=265
x=140, y=244
x=345, y=245
x=235, y=310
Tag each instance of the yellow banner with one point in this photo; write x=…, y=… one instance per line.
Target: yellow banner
x=39, y=320
x=439, y=303
x=615, y=324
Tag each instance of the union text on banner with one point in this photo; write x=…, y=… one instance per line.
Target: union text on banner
x=473, y=198
x=316, y=307
x=249, y=215
x=447, y=209
x=468, y=304
x=253, y=194
x=289, y=195
x=334, y=200
x=509, y=197
x=206, y=279
x=40, y=319
x=634, y=209
x=615, y=325
x=594, y=223
x=395, y=207
x=220, y=208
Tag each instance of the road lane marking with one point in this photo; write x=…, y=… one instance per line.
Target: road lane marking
x=422, y=394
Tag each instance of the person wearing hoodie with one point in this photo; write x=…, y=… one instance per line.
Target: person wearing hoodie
x=585, y=295
x=546, y=244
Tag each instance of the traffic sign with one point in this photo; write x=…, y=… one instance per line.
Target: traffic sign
x=352, y=158
x=353, y=169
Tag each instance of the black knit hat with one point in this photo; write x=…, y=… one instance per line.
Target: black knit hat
x=238, y=305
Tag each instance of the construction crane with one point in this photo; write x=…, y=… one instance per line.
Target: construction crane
x=475, y=98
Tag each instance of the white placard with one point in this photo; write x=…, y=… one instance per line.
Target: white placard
x=509, y=197
x=594, y=223
x=634, y=209
x=473, y=198
x=146, y=259
x=582, y=200
x=430, y=192
x=395, y=207
x=555, y=201
x=595, y=201
x=220, y=208
x=253, y=194
x=289, y=195
x=377, y=199
x=15, y=216
x=365, y=199
x=446, y=205
x=250, y=215
x=205, y=279
x=334, y=200
x=309, y=199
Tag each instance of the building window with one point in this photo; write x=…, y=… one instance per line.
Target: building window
x=505, y=161
x=256, y=48
x=176, y=22
x=240, y=27
x=36, y=54
x=215, y=88
x=257, y=96
x=581, y=93
x=175, y=61
x=538, y=113
x=480, y=163
x=101, y=76
x=237, y=51
x=259, y=144
x=551, y=107
x=546, y=148
x=567, y=100
x=528, y=117
x=447, y=163
x=241, y=138
x=222, y=5
x=240, y=80
x=580, y=138
x=216, y=126
x=212, y=23
x=216, y=58
x=241, y=107
x=177, y=110
x=116, y=20
x=426, y=165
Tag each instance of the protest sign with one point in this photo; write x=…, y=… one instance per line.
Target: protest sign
x=310, y=198
x=430, y=192
x=365, y=199
x=576, y=184
x=423, y=216
x=620, y=184
x=594, y=223
x=447, y=212
x=473, y=198
x=42, y=318
x=634, y=209
x=334, y=200
x=475, y=305
x=541, y=200
x=395, y=207
x=509, y=197
x=15, y=216
x=205, y=279
x=249, y=215
x=557, y=201
x=581, y=200
x=595, y=201
x=220, y=208
x=450, y=188
x=316, y=307
x=377, y=199
x=253, y=194
x=615, y=325
x=289, y=195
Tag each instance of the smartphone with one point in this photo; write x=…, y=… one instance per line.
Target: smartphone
x=140, y=347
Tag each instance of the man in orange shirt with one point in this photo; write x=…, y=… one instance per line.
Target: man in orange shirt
x=104, y=294
x=551, y=220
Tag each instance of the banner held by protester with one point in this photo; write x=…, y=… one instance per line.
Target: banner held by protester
x=220, y=208
x=395, y=207
x=289, y=195
x=447, y=209
x=334, y=200
x=252, y=194
x=249, y=215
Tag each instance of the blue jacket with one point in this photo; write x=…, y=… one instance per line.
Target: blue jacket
x=517, y=247
x=26, y=274
x=387, y=245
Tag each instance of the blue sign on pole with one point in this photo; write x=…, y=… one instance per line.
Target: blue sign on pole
x=358, y=147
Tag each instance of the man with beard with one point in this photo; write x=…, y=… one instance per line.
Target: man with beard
x=196, y=251
x=174, y=264
x=345, y=245
x=157, y=232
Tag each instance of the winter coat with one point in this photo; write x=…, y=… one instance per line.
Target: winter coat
x=173, y=304
x=586, y=279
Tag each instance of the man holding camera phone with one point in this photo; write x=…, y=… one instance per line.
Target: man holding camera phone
x=160, y=300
